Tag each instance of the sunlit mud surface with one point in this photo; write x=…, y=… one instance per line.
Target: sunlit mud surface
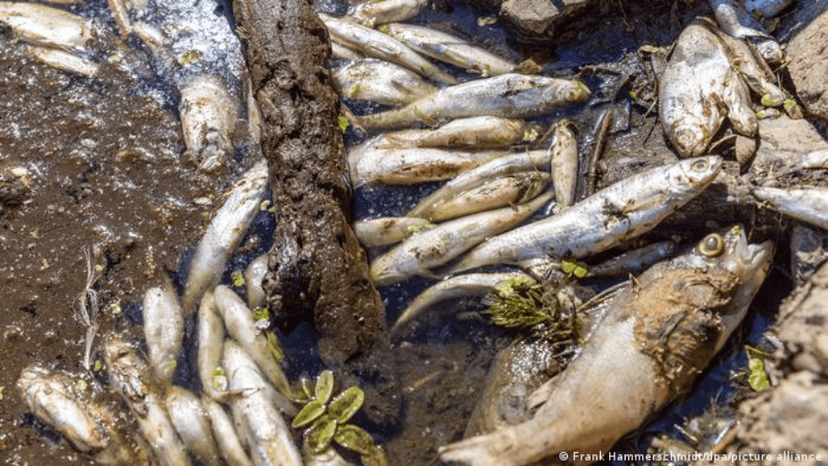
x=108, y=177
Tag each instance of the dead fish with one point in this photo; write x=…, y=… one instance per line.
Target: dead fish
x=253, y=275
x=51, y=398
x=373, y=12
x=755, y=72
x=766, y=8
x=224, y=432
x=410, y=166
x=470, y=284
x=508, y=95
x=664, y=328
x=210, y=344
x=131, y=377
x=615, y=214
x=564, y=163
x=376, y=44
x=439, y=245
x=738, y=22
x=260, y=423
x=163, y=329
x=345, y=53
x=633, y=261
x=241, y=326
x=385, y=231
x=192, y=424
x=380, y=81
x=482, y=132
x=226, y=229
x=450, y=49
x=809, y=205
x=62, y=60
x=691, y=110
x=208, y=119
x=498, y=192
x=46, y=26
x=537, y=160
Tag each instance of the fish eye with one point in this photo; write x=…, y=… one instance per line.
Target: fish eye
x=700, y=166
x=712, y=245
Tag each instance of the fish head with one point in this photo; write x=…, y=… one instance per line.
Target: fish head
x=576, y=92
x=697, y=172
x=735, y=267
x=690, y=139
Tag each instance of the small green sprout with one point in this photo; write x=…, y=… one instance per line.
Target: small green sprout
x=384, y=29
x=633, y=95
x=486, y=20
x=574, y=268
x=325, y=420
x=237, y=277
x=218, y=379
x=530, y=136
x=769, y=101
x=343, y=123
x=97, y=366
x=788, y=104
x=189, y=57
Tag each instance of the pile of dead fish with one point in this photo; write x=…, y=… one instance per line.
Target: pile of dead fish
x=500, y=171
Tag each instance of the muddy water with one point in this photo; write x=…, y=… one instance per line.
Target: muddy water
x=107, y=170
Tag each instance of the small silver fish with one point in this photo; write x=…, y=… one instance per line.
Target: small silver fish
x=253, y=275
x=62, y=60
x=470, y=284
x=385, y=231
x=482, y=132
x=376, y=44
x=809, y=205
x=615, y=214
x=564, y=163
x=46, y=26
x=225, y=434
x=208, y=119
x=163, y=329
x=508, y=95
x=537, y=160
x=268, y=436
x=210, y=343
x=192, y=424
x=226, y=230
x=380, y=81
x=450, y=49
x=662, y=329
x=439, y=245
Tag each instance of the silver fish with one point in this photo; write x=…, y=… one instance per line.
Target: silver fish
x=564, y=163
x=46, y=26
x=131, y=377
x=482, y=132
x=470, y=284
x=385, y=231
x=50, y=397
x=498, y=192
x=633, y=261
x=227, y=228
x=378, y=45
x=62, y=60
x=224, y=432
x=208, y=119
x=809, y=205
x=409, y=166
x=374, y=12
x=691, y=110
x=508, y=95
x=163, y=329
x=615, y=214
x=344, y=53
x=192, y=424
x=380, y=81
x=238, y=319
x=537, y=160
x=450, y=49
x=210, y=344
x=253, y=275
x=268, y=437
x=663, y=328
x=439, y=245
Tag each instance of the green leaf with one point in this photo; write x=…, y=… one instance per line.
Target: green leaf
x=324, y=386
x=311, y=412
x=377, y=458
x=343, y=123
x=354, y=438
x=758, y=378
x=571, y=267
x=321, y=433
x=346, y=404
x=769, y=101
